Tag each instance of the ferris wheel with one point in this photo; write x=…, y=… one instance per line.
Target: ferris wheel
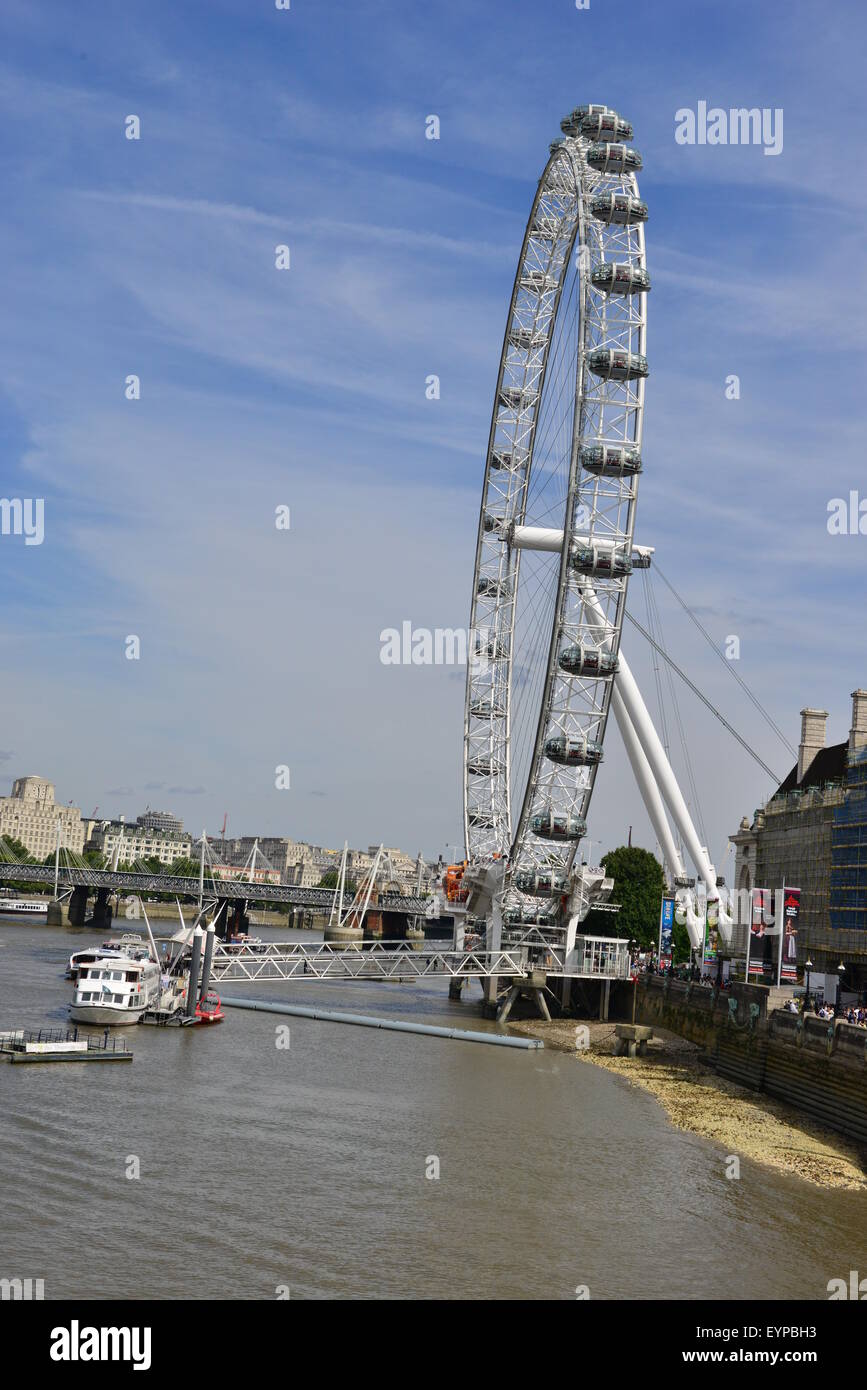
x=555, y=541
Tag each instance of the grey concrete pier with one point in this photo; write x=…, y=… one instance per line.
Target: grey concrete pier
x=532, y=984
x=632, y=1039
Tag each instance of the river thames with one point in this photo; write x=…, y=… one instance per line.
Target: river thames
x=267, y=1171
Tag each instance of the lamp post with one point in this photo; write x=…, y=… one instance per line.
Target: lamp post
x=838, y=1007
x=808, y=966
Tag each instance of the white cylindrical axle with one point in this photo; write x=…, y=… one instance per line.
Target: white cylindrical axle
x=550, y=538
x=537, y=538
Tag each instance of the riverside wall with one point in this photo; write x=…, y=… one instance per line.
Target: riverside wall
x=816, y=1066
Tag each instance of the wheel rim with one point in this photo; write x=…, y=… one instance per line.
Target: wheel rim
x=555, y=538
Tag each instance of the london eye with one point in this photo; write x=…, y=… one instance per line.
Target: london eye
x=555, y=539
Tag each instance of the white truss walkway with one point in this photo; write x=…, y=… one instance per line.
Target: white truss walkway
x=280, y=960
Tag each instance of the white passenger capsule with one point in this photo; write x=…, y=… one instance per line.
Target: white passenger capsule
x=489, y=587
x=579, y=660
x=551, y=825
x=545, y=228
x=606, y=125
x=612, y=278
x=615, y=365
x=508, y=463
x=614, y=159
x=479, y=767
x=605, y=562
x=543, y=883
x=513, y=398
x=571, y=124
x=526, y=339
x=530, y=917
x=486, y=709
x=610, y=460
x=619, y=208
x=573, y=752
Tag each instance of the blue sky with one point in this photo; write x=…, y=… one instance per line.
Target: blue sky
x=306, y=388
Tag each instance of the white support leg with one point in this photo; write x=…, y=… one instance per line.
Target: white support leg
x=660, y=768
x=663, y=773
x=655, y=808
x=647, y=786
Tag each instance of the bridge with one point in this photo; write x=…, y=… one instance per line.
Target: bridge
x=83, y=880
x=283, y=960
x=600, y=959
x=592, y=958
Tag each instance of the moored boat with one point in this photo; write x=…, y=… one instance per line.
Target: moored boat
x=130, y=944
x=209, y=1009
x=33, y=909
x=115, y=989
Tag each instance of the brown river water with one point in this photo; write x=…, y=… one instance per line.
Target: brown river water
x=263, y=1168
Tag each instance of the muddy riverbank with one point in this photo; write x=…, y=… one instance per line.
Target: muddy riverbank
x=695, y=1099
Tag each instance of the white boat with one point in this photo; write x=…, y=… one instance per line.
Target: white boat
x=115, y=989
x=23, y=907
x=130, y=944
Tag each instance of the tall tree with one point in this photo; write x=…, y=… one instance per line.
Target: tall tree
x=638, y=885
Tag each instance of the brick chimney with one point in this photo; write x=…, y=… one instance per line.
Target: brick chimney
x=858, y=731
x=813, y=738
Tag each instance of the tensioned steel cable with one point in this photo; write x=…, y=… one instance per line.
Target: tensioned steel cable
x=728, y=664
x=705, y=701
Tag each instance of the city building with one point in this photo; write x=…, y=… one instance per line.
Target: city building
x=261, y=873
x=303, y=865
x=812, y=835
x=31, y=815
x=280, y=852
x=160, y=820
x=123, y=844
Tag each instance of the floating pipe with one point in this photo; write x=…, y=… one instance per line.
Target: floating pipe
x=394, y=1025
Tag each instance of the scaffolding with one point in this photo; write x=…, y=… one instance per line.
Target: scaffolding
x=848, y=898
x=794, y=847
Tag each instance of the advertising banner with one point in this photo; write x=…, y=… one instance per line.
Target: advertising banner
x=789, y=938
x=711, y=933
x=761, y=937
x=666, y=930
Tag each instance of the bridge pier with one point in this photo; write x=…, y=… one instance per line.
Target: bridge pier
x=102, y=913
x=604, y=998
x=78, y=906
x=532, y=984
x=239, y=922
